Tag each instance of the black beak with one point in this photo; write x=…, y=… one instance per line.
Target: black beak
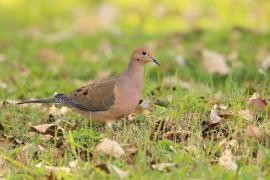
x=155, y=61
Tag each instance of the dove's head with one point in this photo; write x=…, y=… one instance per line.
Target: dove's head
x=143, y=55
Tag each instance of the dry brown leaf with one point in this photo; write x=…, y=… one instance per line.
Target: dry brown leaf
x=58, y=111
x=110, y=147
x=11, y=140
x=228, y=144
x=162, y=166
x=257, y=103
x=215, y=62
x=48, y=131
x=73, y=164
x=176, y=135
x=254, y=132
x=227, y=160
x=41, y=128
x=22, y=158
x=59, y=152
x=131, y=150
x=214, y=117
x=246, y=114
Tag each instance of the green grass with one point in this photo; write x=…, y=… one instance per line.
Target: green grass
x=36, y=68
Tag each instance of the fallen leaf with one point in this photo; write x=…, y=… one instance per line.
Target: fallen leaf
x=246, y=114
x=214, y=117
x=22, y=158
x=162, y=166
x=110, y=147
x=228, y=144
x=73, y=164
x=178, y=136
x=48, y=131
x=59, y=152
x=216, y=130
x=214, y=62
x=257, y=103
x=131, y=151
x=11, y=140
x=227, y=160
x=58, y=111
x=120, y=173
x=254, y=132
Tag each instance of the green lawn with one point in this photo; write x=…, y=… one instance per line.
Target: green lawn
x=46, y=49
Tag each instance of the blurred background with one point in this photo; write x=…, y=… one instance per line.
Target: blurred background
x=47, y=44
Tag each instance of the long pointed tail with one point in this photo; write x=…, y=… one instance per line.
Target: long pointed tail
x=52, y=100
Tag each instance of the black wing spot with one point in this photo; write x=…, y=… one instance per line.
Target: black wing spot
x=85, y=92
x=79, y=90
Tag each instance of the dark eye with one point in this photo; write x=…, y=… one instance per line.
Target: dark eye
x=144, y=53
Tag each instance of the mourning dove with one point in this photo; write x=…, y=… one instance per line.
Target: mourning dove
x=108, y=100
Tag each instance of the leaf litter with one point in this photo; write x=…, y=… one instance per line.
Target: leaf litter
x=110, y=148
x=215, y=62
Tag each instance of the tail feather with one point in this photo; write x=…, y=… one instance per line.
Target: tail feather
x=52, y=100
x=62, y=99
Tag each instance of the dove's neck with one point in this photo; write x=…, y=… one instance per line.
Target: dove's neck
x=134, y=75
